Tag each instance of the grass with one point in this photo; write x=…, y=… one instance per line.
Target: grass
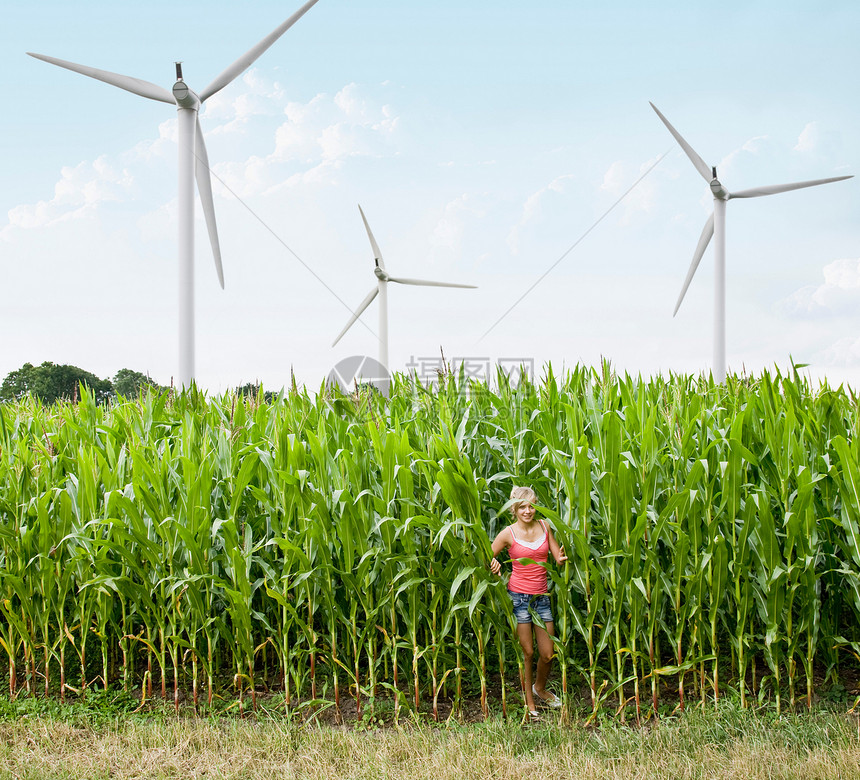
x=97, y=742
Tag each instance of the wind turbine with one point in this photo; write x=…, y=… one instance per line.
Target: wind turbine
x=716, y=227
x=193, y=163
x=381, y=289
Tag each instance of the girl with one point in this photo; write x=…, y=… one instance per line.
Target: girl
x=530, y=537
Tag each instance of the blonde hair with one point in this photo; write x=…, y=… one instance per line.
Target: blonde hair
x=521, y=495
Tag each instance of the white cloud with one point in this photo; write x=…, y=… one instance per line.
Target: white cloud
x=613, y=179
x=808, y=138
x=158, y=148
x=839, y=294
x=533, y=208
x=762, y=152
x=820, y=141
x=77, y=193
x=642, y=198
x=448, y=232
x=158, y=223
x=333, y=128
x=353, y=106
x=82, y=189
x=843, y=353
x=259, y=97
x=755, y=146
x=316, y=138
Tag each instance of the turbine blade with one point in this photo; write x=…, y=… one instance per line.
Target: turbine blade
x=774, y=189
x=139, y=87
x=358, y=312
x=248, y=58
x=377, y=255
x=700, y=164
x=425, y=283
x=704, y=240
x=204, y=187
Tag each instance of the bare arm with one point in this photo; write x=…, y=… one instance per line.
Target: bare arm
x=502, y=540
x=557, y=552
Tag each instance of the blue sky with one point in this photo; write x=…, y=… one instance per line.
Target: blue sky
x=482, y=140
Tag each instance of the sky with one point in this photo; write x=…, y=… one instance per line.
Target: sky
x=483, y=141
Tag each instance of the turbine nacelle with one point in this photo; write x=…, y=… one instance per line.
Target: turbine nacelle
x=718, y=190
x=378, y=272
x=184, y=96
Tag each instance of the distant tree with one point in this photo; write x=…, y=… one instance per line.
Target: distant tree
x=252, y=389
x=50, y=383
x=17, y=383
x=130, y=384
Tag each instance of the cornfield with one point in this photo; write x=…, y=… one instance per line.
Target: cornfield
x=335, y=546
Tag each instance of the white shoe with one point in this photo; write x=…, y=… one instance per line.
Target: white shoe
x=551, y=700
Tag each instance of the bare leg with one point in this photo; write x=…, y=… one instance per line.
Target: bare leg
x=545, y=653
x=524, y=634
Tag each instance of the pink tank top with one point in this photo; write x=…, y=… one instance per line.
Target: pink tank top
x=528, y=577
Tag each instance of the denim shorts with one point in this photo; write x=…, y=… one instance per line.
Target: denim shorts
x=539, y=603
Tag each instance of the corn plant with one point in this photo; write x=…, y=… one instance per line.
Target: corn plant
x=337, y=545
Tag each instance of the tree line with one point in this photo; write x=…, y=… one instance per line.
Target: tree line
x=50, y=382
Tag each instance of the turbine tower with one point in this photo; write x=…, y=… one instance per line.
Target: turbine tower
x=381, y=289
x=715, y=228
x=193, y=163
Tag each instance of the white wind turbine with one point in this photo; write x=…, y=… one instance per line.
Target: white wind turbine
x=381, y=289
x=193, y=163
x=716, y=227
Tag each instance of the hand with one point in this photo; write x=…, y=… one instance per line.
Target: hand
x=495, y=566
x=561, y=556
